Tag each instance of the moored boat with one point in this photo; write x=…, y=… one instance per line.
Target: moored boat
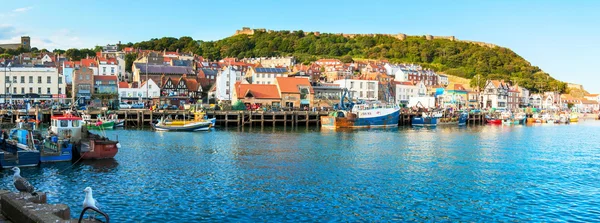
x=57, y=145
x=463, y=118
x=98, y=124
x=574, y=117
x=424, y=120
x=18, y=148
x=199, y=123
x=363, y=116
x=86, y=145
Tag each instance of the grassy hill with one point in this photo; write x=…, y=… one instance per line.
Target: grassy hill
x=456, y=58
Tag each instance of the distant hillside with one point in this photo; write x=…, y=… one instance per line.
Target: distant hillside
x=458, y=58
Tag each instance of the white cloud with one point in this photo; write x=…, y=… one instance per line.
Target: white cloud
x=24, y=9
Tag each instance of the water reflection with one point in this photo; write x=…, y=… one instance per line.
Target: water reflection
x=103, y=165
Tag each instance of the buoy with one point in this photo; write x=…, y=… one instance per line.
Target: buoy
x=118, y=145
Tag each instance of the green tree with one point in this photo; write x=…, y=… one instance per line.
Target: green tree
x=347, y=59
x=477, y=81
x=129, y=58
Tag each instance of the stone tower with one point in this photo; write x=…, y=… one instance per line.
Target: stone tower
x=26, y=42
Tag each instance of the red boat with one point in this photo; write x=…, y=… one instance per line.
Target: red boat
x=494, y=121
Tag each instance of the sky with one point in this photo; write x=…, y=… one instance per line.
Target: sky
x=560, y=37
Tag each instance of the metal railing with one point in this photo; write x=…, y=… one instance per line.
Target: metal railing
x=93, y=209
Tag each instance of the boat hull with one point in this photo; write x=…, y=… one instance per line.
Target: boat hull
x=388, y=119
x=192, y=127
x=97, y=149
x=50, y=154
x=104, y=125
x=427, y=121
x=22, y=159
x=494, y=121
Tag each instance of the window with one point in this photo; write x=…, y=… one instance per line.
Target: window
x=15, y=79
x=64, y=123
x=7, y=79
x=39, y=90
x=47, y=90
x=59, y=80
x=39, y=80
x=227, y=83
x=22, y=79
x=7, y=90
x=104, y=70
x=15, y=90
x=112, y=70
x=98, y=82
x=361, y=85
x=49, y=79
x=22, y=90
x=31, y=79
x=30, y=90
x=87, y=76
x=80, y=77
x=227, y=91
x=59, y=90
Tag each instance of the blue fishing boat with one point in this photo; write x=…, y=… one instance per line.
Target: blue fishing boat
x=350, y=115
x=17, y=148
x=424, y=120
x=462, y=119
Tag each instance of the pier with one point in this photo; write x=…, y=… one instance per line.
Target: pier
x=138, y=118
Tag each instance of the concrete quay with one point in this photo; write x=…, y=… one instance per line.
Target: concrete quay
x=30, y=209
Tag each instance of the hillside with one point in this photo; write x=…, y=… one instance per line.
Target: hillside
x=457, y=58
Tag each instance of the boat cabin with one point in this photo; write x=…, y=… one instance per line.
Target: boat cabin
x=67, y=127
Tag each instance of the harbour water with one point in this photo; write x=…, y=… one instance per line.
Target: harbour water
x=482, y=173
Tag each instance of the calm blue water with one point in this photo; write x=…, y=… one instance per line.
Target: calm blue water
x=484, y=174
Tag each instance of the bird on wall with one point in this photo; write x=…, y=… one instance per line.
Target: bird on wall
x=21, y=184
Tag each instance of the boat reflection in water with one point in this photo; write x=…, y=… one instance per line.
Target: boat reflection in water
x=101, y=166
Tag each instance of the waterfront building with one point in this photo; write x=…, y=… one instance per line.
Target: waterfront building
x=514, y=99
x=155, y=72
x=179, y=91
x=360, y=89
x=313, y=71
x=106, y=90
x=225, y=83
x=326, y=94
x=265, y=75
x=404, y=91
x=138, y=92
x=495, y=94
x=455, y=95
x=295, y=92
x=37, y=83
x=68, y=67
x=258, y=94
x=83, y=85
x=535, y=100
x=593, y=97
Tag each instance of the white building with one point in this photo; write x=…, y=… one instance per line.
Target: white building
x=46, y=59
x=121, y=68
x=495, y=94
x=367, y=90
x=225, y=82
x=391, y=69
x=404, y=91
x=127, y=92
x=107, y=67
x=443, y=80
x=272, y=61
x=266, y=75
x=37, y=83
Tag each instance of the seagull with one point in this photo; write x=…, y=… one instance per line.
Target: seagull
x=89, y=200
x=22, y=185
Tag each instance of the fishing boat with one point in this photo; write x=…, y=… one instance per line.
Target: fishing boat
x=199, y=123
x=86, y=145
x=424, y=120
x=365, y=115
x=114, y=118
x=98, y=124
x=493, y=121
x=574, y=117
x=18, y=148
x=57, y=145
x=463, y=118
x=520, y=117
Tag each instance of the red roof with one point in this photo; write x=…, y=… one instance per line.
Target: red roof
x=105, y=78
x=123, y=84
x=128, y=49
x=192, y=84
x=88, y=63
x=166, y=59
x=291, y=84
x=258, y=91
x=71, y=64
